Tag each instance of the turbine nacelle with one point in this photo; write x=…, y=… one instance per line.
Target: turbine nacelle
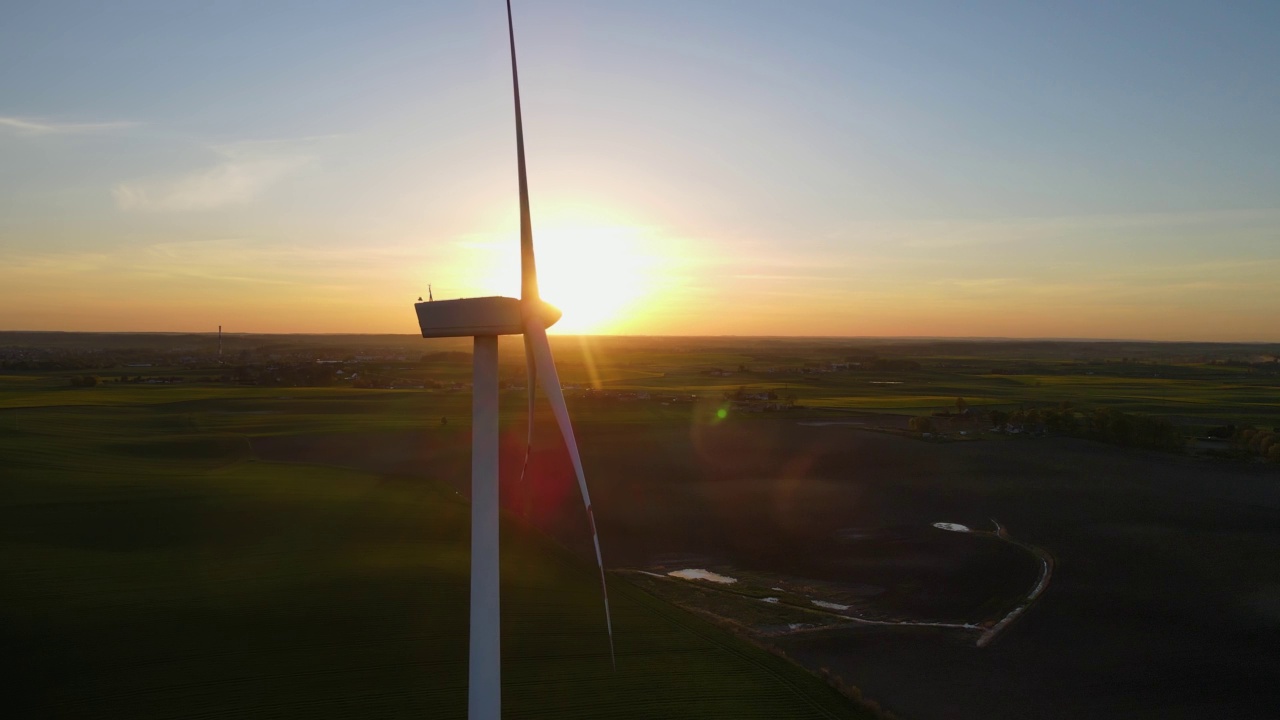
x=470, y=317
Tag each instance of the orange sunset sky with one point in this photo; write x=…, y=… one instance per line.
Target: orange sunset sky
x=696, y=169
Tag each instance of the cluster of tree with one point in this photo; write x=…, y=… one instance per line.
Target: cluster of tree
x=920, y=424
x=311, y=374
x=368, y=381
x=153, y=378
x=1263, y=443
x=1119, y=428
x=962, y=410
x=84, y=381
x=1224, y=432
x=448, y=356
x=890, y=364
x=29, y=365
x=56, y=359
x=1268, y=367
x=742, y=394
x=1102, y=424
x=303, y=374
x=1010, y=371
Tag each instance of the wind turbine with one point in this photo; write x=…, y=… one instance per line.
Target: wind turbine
x=484, y=319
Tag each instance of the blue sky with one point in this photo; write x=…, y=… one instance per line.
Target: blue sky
x=826, y=168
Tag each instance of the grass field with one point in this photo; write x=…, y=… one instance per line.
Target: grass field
x=213, y=549
x=155, y=567
x=1194, y=392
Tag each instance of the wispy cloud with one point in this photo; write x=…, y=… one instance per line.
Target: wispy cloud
x=32, y=126
x=246, y=171
x=933, y=235
x=225, y=261
x=779, y=278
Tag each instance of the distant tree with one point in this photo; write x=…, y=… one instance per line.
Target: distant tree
x=1119, y=429
x=1263, y=442
x=1096, y=424
x=961, y=405
x=920, y=424
x=894, y=364
x=1225, y=431
x=998, y=417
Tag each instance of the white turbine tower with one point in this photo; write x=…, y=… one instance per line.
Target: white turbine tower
x=484, y=319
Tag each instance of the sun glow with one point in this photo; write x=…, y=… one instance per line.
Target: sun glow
x=597, y=274
x=593, y=274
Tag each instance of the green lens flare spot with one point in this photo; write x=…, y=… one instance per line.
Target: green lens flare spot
x=722, y=413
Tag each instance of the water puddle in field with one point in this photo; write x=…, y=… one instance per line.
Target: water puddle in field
x=953, y=527
x=700, y=574
x=824, y=423
x=769, y=599
x=886, y=382
x=830, y=605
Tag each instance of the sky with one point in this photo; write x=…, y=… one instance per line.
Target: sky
x=697, y=167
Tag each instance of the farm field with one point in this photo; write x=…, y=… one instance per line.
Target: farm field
x=1161, y=605
x=183, y=545
x=156, y=566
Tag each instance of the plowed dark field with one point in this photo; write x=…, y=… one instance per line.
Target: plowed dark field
x=1165, y=601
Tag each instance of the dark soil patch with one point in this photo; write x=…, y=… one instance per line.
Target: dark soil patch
x=1150, y=612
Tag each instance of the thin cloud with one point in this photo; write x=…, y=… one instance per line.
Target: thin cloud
x=223, y=260
x=780, y=278
x=247, y=170
x=28, y=126
x=966, y=233
x=235, y=181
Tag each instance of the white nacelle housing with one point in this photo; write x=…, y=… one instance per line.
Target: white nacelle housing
x=471, y=317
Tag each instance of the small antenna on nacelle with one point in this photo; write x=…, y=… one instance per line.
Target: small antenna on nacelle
x=430, y=297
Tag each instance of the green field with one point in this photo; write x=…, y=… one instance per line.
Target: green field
x=155, y=567
x=1175, y=382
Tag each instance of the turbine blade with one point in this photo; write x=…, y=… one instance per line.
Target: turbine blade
x=528, y=270
x=531, y=375
x=536, y=336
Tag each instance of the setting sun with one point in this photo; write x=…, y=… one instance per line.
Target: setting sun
x=596, y=273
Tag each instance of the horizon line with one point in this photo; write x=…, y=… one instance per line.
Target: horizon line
x=962, y=338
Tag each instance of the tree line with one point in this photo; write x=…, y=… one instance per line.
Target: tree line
x=1262, y=443
x=1102, y=424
